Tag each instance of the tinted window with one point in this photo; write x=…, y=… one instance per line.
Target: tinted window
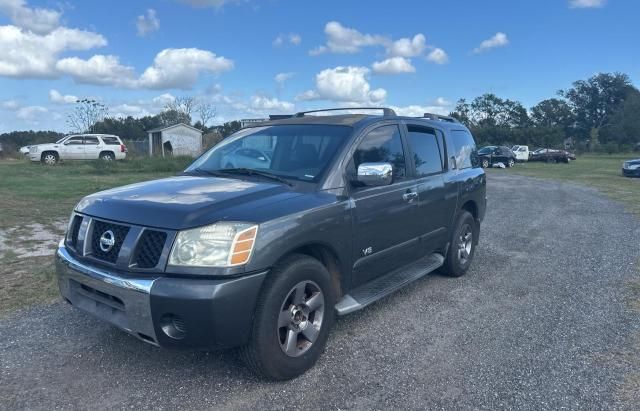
x=426, y=153
x=91, y=140
x=465, y=149
x=382, y=145
x=111, y=141
x=74, y=141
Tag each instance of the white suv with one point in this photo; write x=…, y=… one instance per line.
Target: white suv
x=80, y=147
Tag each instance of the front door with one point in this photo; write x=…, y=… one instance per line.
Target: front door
x=385, y=233
x=72, y=149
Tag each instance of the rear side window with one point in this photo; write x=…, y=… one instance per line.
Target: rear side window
x=427, y=154
x=465, y=149
x=111, y=141
x=382, y=145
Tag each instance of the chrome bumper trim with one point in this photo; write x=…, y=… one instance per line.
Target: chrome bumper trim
x=133, y=317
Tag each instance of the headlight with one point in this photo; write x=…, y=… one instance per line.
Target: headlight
x=216, y=245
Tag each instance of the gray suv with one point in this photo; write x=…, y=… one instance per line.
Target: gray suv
x=347, y=209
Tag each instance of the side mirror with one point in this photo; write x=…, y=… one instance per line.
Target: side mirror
x=375, y=174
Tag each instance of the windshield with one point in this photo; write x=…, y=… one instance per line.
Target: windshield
x=298, y=152
x=61, y=140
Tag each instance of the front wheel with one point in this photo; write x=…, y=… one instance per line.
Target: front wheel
x=462, y=245
x=511, y=163
x=485, y=163
x=293, y=317
x=49, y=158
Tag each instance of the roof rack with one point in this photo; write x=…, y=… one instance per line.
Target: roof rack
x=385, y=110
x=440, y=117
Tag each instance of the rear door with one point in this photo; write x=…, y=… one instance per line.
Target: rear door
x=437, y=196
x=92, y=148
x=72, y=149
x=385, y=231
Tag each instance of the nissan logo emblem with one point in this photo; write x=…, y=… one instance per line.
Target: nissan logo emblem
x=107, y=241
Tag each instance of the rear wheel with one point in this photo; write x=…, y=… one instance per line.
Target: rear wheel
x=49, y=158
x=462, y=245
x=294, y=315
x=551, y=160
x=511, y=163
x=107, y=156
x=485, y=163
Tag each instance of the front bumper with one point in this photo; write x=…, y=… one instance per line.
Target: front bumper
x=196, y=313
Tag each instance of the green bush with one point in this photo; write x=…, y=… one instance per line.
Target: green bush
x=141, y=165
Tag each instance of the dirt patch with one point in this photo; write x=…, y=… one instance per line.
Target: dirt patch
x=31, y=240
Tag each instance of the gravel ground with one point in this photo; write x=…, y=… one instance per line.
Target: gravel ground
x=541, y=321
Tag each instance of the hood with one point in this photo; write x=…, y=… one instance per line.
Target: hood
x=185, y=201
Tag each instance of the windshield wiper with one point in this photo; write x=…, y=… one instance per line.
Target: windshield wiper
x=252, y=172
x=202, y=171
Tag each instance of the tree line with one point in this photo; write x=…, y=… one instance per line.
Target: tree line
x=601, y=113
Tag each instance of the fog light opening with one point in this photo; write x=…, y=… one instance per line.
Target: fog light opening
x=173, y=326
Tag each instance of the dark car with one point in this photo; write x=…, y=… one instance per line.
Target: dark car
x=349, y=209
x=631, y=168
x=491, y=155
x=550, y=155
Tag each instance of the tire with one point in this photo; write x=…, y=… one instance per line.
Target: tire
x=280, y=348
x=49, y=158
x=454, y=265
x=107, y=156
x=551, y=160
x=511, y=163
x=485, y=163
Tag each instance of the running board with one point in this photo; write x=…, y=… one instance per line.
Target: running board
x=382, y=286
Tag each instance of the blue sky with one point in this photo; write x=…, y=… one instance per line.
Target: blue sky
x=250, y=58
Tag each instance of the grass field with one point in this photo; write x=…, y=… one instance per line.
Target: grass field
x=602, y=172
x=35, y=203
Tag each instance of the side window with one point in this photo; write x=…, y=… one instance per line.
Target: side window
x=74, y=141
x=465, y=149
x=426, y=153
x=91, y=140
x=382, y=145
x=111, y=141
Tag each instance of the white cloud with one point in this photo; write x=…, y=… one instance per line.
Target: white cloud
x=442, y=102
x=586, y=4
x=9, y=105
x=342, y=39
x=291, y=38
x=498, y=40
x=345, y=84
x=180, y=68
x=438, y=56
x=163, y=99
x=439, y=106
x=406, y=47
x=281, y=78
x=26, y=54
x=147, y=23
x=56, y=97
x=262, y=103
x=393, y=65
x=171, y=68
x=99, y=69
x=126, y=110
x=38, y=20
x=31, y=112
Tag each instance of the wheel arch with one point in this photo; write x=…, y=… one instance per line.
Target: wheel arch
x=327, y=256
x=107, y=152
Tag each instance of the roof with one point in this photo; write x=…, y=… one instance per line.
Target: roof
x=356, y=120
x=163, y=128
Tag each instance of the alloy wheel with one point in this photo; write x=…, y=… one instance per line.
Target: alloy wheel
x=300, y=318
x=49, y=159
x=465, y=242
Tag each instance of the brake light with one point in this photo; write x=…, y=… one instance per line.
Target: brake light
x=123, y=148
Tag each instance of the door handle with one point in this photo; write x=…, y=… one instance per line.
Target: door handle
x=409, y=196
